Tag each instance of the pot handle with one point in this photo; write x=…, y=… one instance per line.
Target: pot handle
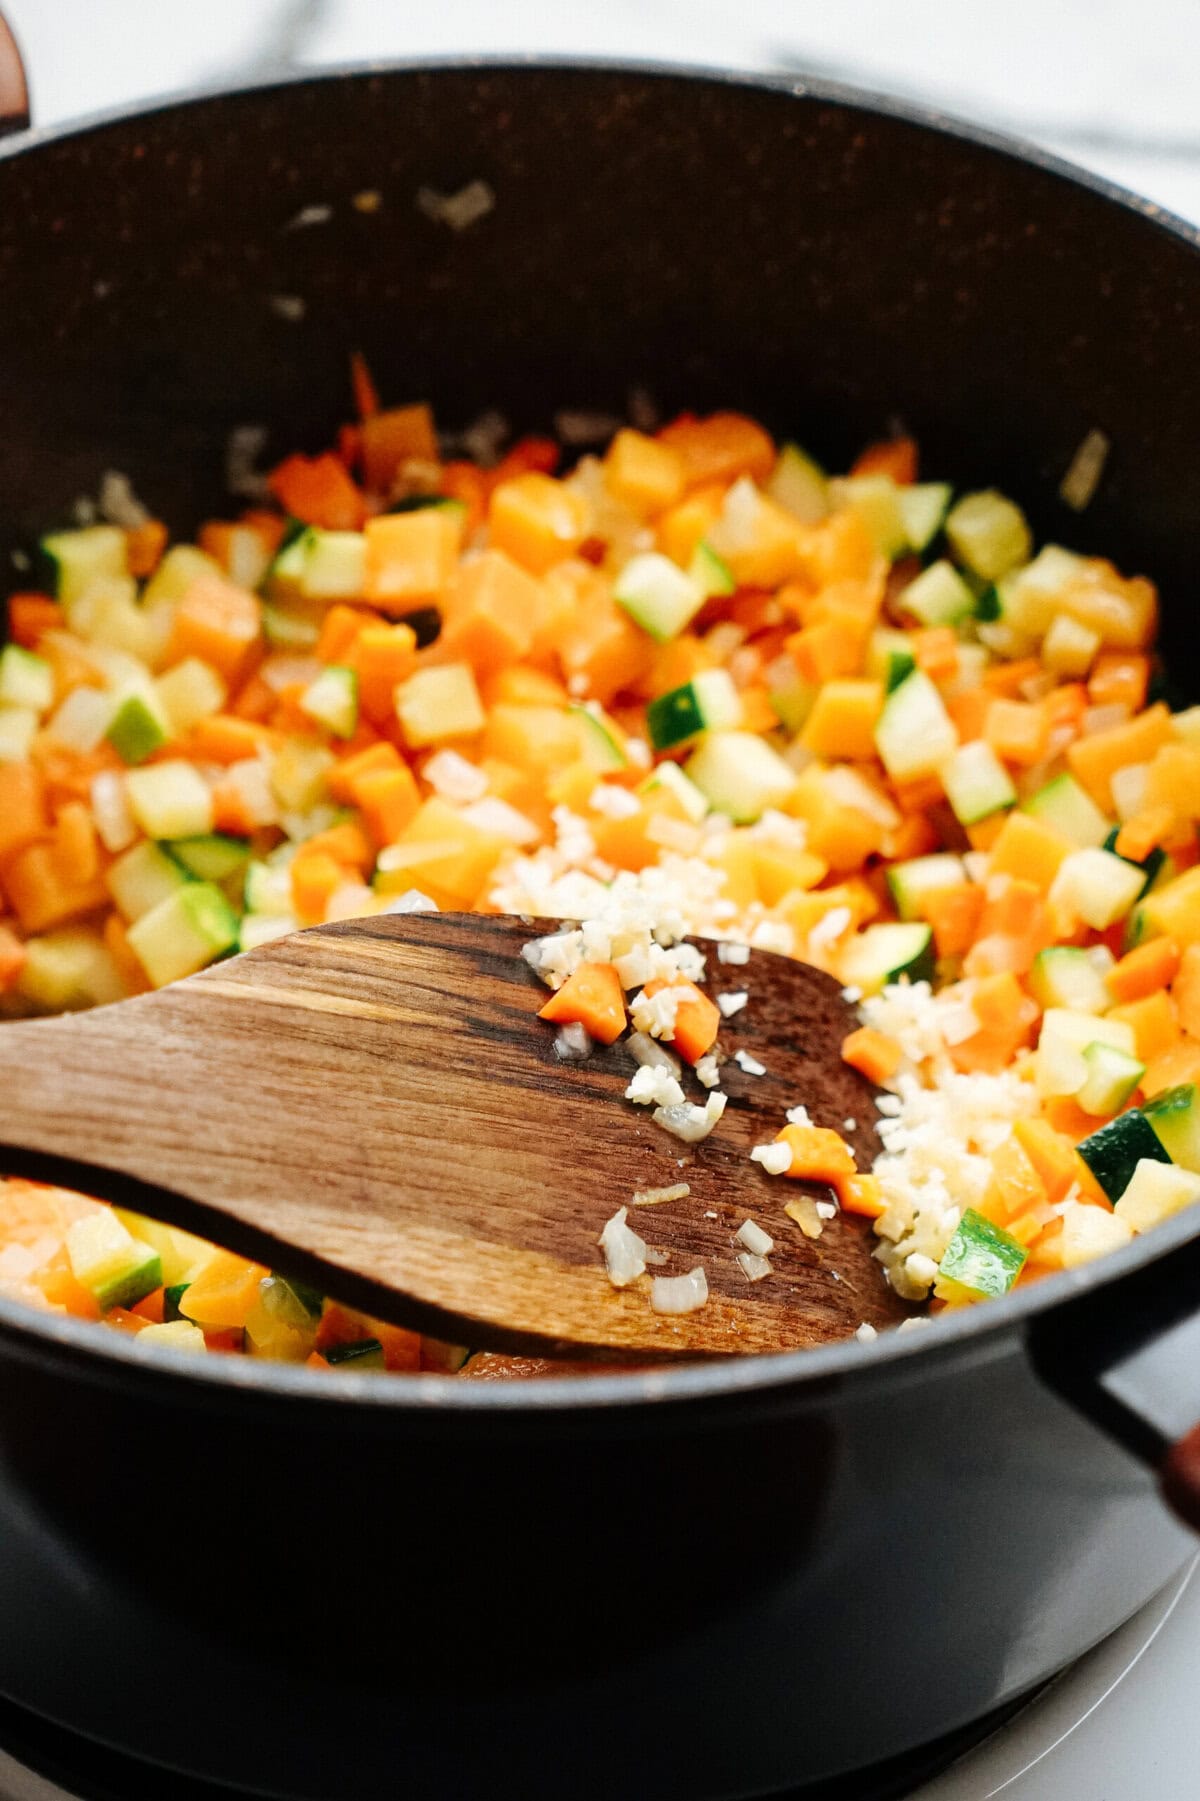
x=14, y=88
x=1127, y=1354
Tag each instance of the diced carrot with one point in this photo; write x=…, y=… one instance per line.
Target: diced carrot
x=67, y=774
x=543, y=739
x=347, y=446
x=1052, y=1154
x=872, y=1053
x=826, y=650
x=382, y=656
x=1064, y=708
x=720, y=448
x=643, y=473
x=1186, y=989
x=697, y=1019
x=255, y=700
x=1140, y=972
x=521, y=686
x=315, y=877
x=398, y=435
x=1095, y=760
x=1029, y=850
x=57, y=1282
x=267, y=527
x=345, y=842
x=1008, y=679
x=12, y=959
x=76, y=847
x=319, y=491
x=219, y=623
x=843, y=719
x=42, y=896
x=913, y=837
x=603, y=648
x=1067, y=1117
x=1154, y=1020
x=936, y=652
x=490, y=612
x=1145, y=832
x=919, y=794
x=537, y=521
x=1173, y=784
x=528, y=456
x=339, y=628
x=863, y=1195
x=1017, y=731
x=410, y=557
x=818, y=1155
x=23, y=815
x=681, y=527
x=375, y=760
x=151, y=1306
x=388, y=800
x=592, y=996
x=1015, y=1178
x=1176, y=1066
x=1006, y=1018
x=401, y=1348
x=29, y=615
x=125, y=1321
x=1119, y=679
x=466, y=483
x=224, y=1292
x=366, y=394
x=129, y=965
x=223, y=739
x=144, y=546
x=896, y=457
x=954, y=913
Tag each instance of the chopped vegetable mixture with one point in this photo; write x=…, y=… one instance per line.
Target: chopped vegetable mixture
x=694, y=685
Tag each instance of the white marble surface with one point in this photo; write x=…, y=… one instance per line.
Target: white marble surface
x=1107, y=83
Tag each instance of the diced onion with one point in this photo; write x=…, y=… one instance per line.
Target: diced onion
x=752, y=1267
x=1085, y=471
x=758, y=1242
x=572, y=1042
x=412, y=901
x=624, y=1251
x=650, y=1053
x=803, y=1210
x=679, y=1294
x=654, y=1197
x=732, y=1003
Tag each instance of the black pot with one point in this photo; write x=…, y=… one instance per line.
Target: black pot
x=714, y=1581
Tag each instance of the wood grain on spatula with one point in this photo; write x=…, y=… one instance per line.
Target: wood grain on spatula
x=375, y=1106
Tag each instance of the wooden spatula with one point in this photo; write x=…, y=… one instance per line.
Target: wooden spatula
x=375, y=1107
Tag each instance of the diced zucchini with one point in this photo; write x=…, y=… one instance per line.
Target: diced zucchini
x=1112, y=1076
x=1114, y=1151
x=740, y=774
x=1069, y=647
x=82, y=718
x=1151, y=865
x=938, y=596
x=1174, y=1117
x=603, y=749
x=914, y=734
x=658, y=595
x=910, y=883
x=189, y=692
x=362, y=1354
x=69, y=968
x=1091, y=1232
x=173, y=1293
x=1065, y=976
x=143, y=877
x=1096, y=887
x=982, y=1257
x=423, y=503
x=709, y=702
x=1172, y=909
x=116, y=1268
x=885, y=953
x=889, y=657
x=1031, y=598
x=988, y=533
x=1060, y=1065
x=77, y=560
x=876, y=500
x=170, y=800
x=332, y=700
x=799, y=485
x=183, y=1255
x=976, y=782
x=710, y=572
x=181, y=566
x=1070, y=809
x=268, y=888
x=264, y=928
x=18, y=729
x=669, y=776
x=923, y=508
x=212, y=858
x=292, y=625
x=138, y=726
x=440, y=703
x=1155, y=1192
x=25, y=680
x=792, y=698
x=184, y=933
x=175, y=1335
x=334, y=565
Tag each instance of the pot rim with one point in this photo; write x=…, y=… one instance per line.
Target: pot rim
x=972, y=1332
